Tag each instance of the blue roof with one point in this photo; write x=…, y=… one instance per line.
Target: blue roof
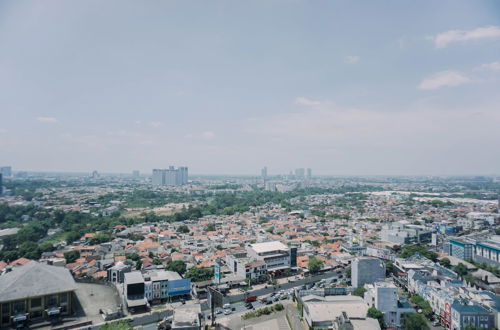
x=463, y=308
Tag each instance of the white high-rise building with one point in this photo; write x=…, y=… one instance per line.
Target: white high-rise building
x=263, y=173
x=309, y=174
x=170, y=176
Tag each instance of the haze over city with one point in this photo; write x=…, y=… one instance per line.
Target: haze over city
x=226, y=87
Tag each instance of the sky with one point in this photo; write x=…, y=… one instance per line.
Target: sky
x=227, y=87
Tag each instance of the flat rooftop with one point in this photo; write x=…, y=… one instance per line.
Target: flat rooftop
x=133, y=278
x=269, y=247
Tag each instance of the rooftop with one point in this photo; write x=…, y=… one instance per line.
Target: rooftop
x=35, y=279
x=269, y=247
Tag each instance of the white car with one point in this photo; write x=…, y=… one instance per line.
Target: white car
x=227, y=311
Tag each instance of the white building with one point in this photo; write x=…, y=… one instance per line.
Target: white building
x=366, y=270
x=275, y=254
x=384, y=297
x=337, y=312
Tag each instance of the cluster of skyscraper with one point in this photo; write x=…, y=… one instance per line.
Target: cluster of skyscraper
x=300, y=174
x=170, y=177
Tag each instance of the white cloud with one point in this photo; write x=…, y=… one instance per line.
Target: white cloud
x=352, y=59
x=208, y=135
x=443, y=79
x=124, y=133
x=155, y=123
x=493, y=66
x=47, y=120
x=443, y=39
x=307, y=102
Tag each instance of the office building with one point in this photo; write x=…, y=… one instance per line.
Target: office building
x=134, y=291
x=299, y=173
x=136, y=174
x=1, y=183
x=366, y=270
x=6, y=171
x=459, y=248
x=309, y=174
x=35, y=291
x=276, y=255
x=170, y=177
x=384, y=297
x=263, y=173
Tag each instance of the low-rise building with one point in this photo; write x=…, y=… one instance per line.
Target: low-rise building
x=34, y=291
x=337, y=311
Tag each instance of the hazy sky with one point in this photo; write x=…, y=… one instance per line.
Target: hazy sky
x=226, y=87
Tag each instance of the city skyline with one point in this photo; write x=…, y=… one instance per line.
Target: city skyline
x=332, y=85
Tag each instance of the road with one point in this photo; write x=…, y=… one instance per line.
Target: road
x=284, y=286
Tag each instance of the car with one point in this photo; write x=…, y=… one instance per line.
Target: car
x=227, y=311
x=268, y=302
x=284, y=296
x=249, y=305
x=435, y=323
x=219, y=311
x=226, y=306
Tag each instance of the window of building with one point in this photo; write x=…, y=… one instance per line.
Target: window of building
x=19, y=306
x=63, y=298
x=52, y=300
x=36, y=302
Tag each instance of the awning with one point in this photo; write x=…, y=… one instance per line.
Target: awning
x=53, y=311
x=19, y=318
x=137, y=302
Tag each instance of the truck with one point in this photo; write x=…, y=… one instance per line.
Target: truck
x=250, y=298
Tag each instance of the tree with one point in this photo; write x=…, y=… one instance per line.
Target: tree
x=198, y=274
x=178, y=266
x=414, y=321
x=422, y=304
x=460, y=269
x=71, y=256
x=183, y=229
x=360, y=292
x=376, y=314
x=445, y=262
x=348, y=272
x=138, y=265
x=410, y=250
x=210, y=227
x=118, y=325
x=389, y=268
x=314, y=265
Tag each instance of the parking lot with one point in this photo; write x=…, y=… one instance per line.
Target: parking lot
x=93, y=297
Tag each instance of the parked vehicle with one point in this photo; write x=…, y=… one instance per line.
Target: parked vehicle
x=250, y=298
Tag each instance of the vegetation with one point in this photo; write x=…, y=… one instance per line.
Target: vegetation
x=198, y=274
x=414, y=321
x=178, y=266
x=118, y=325
x=376, y=314
x=445, y=262
x=263, y=311
x=422, y=304
x=314, y=265
x=360, y=292
x=460, y=269
x=183, y=229
x=410, y=250
x=71, y=256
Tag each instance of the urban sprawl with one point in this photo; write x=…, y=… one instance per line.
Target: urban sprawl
x=295, y=251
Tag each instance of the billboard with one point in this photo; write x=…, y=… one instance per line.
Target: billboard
x=217, y=274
